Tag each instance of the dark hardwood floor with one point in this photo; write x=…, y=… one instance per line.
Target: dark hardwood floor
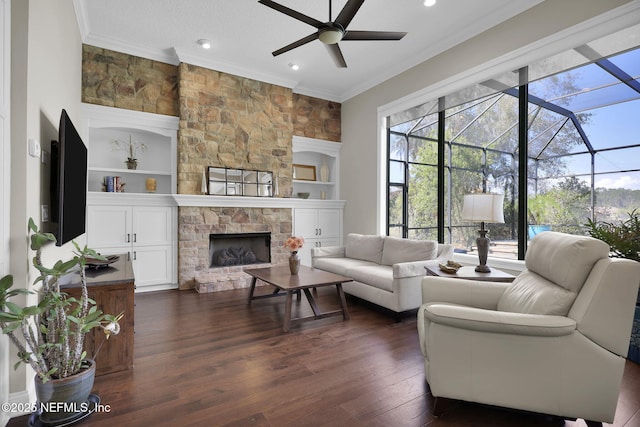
x=211, y=360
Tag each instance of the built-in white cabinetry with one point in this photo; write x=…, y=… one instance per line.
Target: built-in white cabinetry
x=140, y=222
x=145, y=234
x=321, y=155
x=320, y=227
x=318, y=221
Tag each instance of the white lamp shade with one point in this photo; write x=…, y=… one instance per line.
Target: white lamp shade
x=484, y=207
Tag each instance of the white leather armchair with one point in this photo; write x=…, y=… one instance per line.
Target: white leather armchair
x=554, y=341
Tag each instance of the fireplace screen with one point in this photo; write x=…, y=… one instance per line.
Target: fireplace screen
x=239, y=249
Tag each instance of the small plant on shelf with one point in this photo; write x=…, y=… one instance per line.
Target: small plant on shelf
x=130, y=147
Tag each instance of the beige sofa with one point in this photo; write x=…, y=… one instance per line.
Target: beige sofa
x=386, y=271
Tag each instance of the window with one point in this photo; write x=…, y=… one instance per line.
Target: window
x=581, y=143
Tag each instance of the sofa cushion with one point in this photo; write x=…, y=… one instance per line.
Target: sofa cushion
x=553, y=256
x=339, y=265
x=398, y=250
x=378, y=276
x=364, y=247
x=531, y=293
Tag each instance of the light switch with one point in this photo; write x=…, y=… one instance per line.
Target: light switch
x=34, y=147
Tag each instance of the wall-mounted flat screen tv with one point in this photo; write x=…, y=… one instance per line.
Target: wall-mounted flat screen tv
x=68, y=182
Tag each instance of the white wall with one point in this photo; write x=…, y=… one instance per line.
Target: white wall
x=498, y=49
x=5, y=50
x=46, y=77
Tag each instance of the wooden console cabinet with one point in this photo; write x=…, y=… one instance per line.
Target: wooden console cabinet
x=112, y=288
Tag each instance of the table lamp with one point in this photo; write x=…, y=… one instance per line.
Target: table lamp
x=483, y=207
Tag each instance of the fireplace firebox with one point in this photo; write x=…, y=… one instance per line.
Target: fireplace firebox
x=239, y=249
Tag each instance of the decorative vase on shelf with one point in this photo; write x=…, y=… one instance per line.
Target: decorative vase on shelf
x=294, y=262
x=324, y=171
x=131, y=163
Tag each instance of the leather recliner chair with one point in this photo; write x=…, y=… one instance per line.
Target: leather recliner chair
x=554, y=341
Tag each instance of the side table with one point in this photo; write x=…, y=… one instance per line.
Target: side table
x=469, y=273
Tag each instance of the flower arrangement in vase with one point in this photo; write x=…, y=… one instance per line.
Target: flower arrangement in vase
x=294, y=244
x=131, y=147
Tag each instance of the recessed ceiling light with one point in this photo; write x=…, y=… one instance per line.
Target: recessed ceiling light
x=293, y=66
x=429, y=3
x=206, y=44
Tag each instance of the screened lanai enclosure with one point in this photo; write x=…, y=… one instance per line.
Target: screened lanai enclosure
x=559, y=138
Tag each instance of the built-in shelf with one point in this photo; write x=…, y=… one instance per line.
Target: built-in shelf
x=158, y=160
x=316, y=153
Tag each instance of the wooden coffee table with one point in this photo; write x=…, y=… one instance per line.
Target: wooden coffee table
x=307, y=278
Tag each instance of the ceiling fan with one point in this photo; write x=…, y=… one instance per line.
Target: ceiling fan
x=330, y=33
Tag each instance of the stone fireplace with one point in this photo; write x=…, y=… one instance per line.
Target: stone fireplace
x=196, y=226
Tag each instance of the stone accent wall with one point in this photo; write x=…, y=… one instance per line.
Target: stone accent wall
x=317, y=118
x=119, y=80
x=225, y=121
x=195, y=225
x=231, y=121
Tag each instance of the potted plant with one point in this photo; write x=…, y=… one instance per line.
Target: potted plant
x=624, y=240
x=130, y=147
x=49, y=336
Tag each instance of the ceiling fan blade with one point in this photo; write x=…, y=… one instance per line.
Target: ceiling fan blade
x=348, y=12
x=373, y=35
x=292, y=13
x=336, y=54
x=296, y=44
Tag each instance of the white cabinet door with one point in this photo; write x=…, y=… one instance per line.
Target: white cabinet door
x=305, y=223
x=152, y=265
x=317, y=223
x=108, y=226
x=152, y=225
x=328, y=222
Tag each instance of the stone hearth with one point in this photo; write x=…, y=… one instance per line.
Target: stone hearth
x=197, y=223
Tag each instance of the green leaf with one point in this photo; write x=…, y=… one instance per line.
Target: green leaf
x=8, y=317
x=32, y=226
x=14, y=308
x=6, y=282
x=10, y=328
x=15, y=292
x=31, y=311
x=73, y=319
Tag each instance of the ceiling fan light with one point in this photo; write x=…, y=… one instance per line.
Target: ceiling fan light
x=330, y=35
x=429, y=3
